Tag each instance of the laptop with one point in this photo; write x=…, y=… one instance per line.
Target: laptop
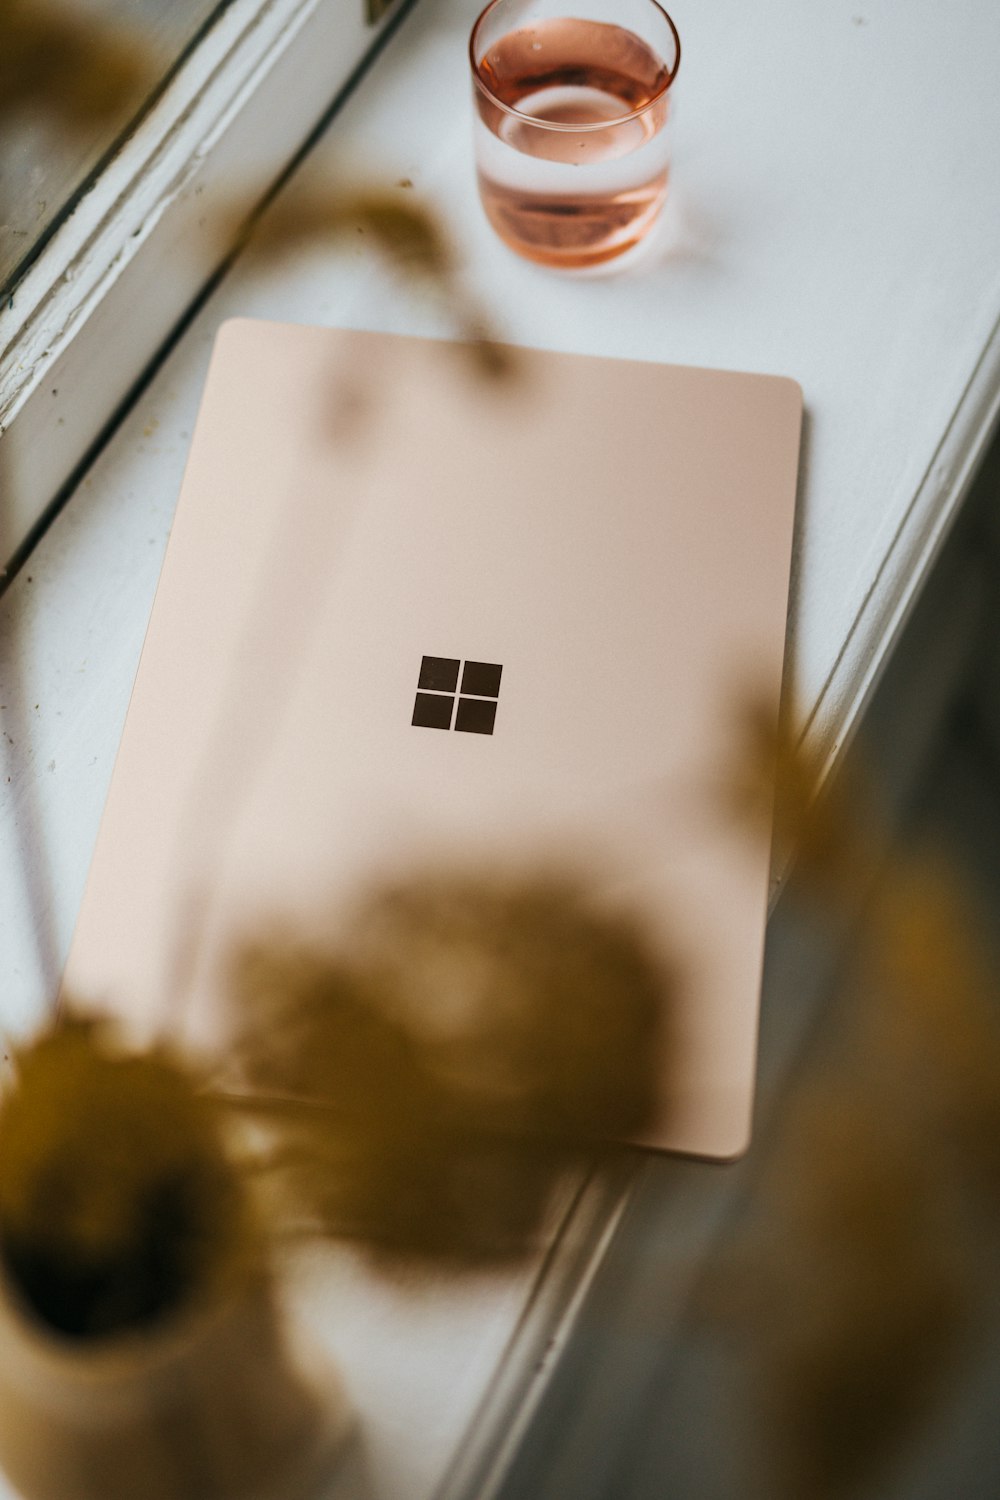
x=414, y=617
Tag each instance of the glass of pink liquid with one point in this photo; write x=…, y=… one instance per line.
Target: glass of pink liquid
x=572, y=124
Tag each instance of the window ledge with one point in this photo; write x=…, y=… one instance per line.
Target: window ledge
x=97, y=305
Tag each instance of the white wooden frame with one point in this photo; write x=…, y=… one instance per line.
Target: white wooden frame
x=119, y=273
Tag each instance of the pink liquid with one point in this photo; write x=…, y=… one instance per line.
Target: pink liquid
x=571, y=197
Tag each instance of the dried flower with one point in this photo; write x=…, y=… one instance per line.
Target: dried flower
x=778, y=787
x=854, y=1294
x=467, y=1040
x=937, y=1018
x=66, y=65
x=118, y=1197
x=409, y=236
x=862, y=1287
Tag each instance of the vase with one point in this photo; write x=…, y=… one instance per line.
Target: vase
x=206, y=1404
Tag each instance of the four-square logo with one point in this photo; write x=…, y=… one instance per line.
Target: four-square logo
x=437, y=689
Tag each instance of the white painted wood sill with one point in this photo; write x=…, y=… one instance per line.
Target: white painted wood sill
x=835, y=216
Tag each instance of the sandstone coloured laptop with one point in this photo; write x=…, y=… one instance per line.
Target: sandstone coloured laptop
x=408, y=614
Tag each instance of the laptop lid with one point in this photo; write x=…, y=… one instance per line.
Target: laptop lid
x=409, y=616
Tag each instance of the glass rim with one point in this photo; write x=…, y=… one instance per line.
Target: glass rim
x=561, y=125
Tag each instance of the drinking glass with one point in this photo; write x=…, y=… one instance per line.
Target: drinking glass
x=571, y=123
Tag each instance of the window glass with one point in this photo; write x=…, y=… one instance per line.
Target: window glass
x=75, y=76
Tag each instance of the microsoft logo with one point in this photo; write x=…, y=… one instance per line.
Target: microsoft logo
x=437, y=686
